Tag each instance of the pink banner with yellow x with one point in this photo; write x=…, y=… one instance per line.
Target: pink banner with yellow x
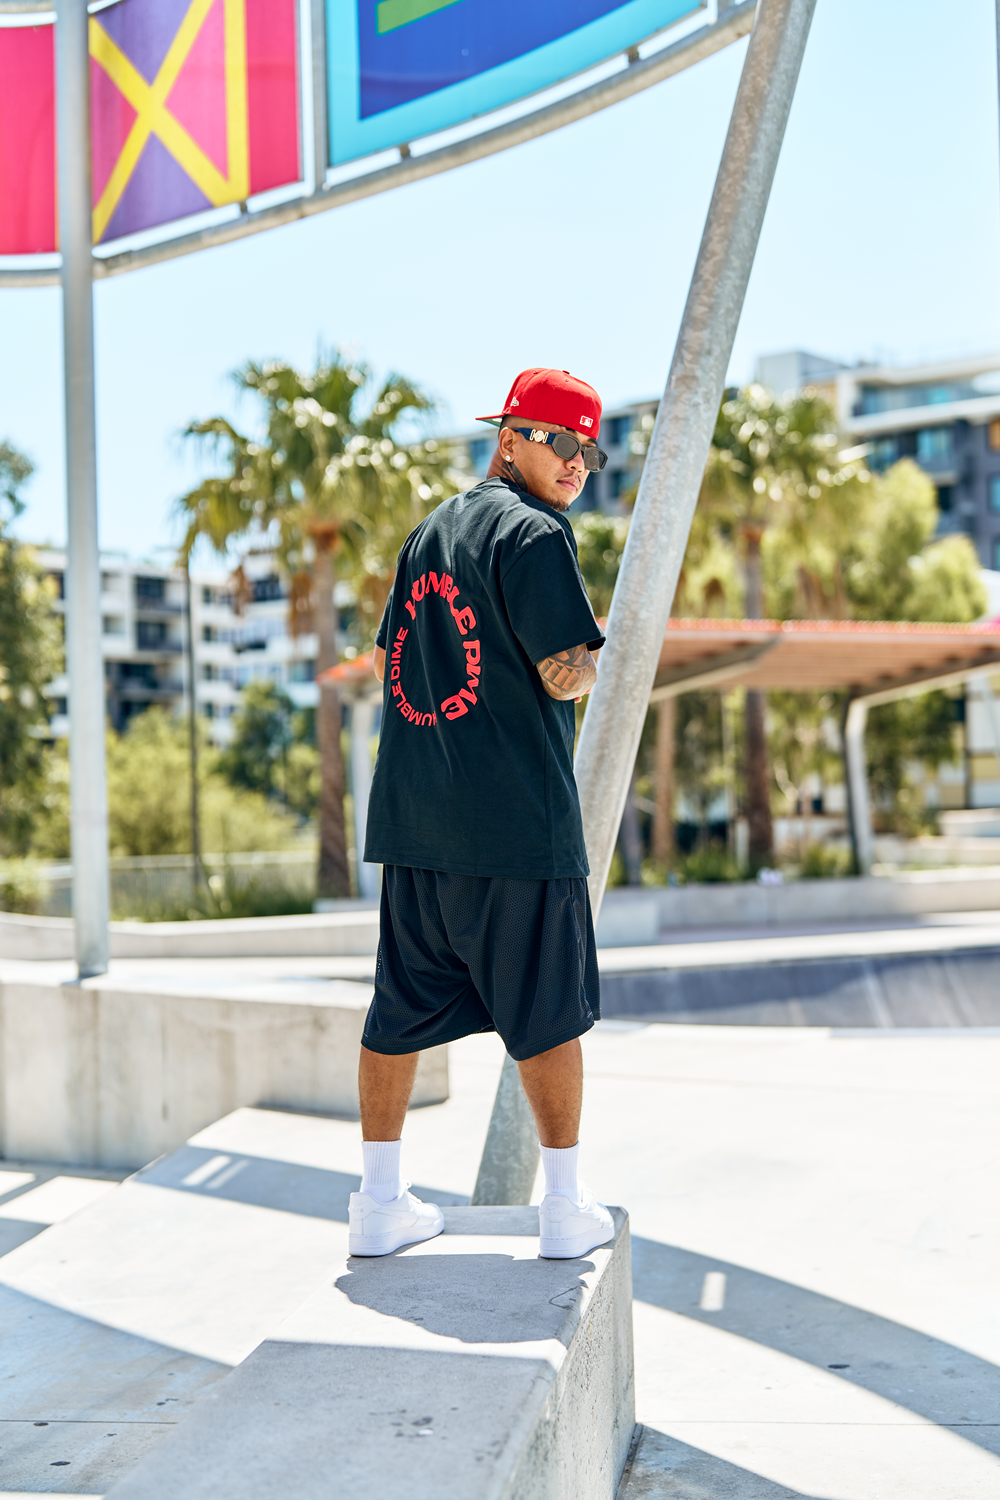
x=194, y=104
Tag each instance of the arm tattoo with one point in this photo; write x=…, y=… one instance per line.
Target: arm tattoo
x=568, y=674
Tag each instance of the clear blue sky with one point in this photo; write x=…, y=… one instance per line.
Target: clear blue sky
x=882, y=241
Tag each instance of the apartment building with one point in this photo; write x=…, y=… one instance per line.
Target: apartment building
x=142, y=637
x=945, y=416
x=236, y=640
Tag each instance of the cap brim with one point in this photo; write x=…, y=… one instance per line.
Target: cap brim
x=495, y=420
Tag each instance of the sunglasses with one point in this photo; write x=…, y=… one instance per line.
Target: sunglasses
x=566, y=446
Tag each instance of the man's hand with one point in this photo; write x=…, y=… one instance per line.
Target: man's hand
x=568, y=674
x=378, y=665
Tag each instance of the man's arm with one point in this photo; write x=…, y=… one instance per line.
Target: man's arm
x=378, y=665
x=568, y=674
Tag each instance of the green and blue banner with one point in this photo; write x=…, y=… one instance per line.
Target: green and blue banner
x=402, y=69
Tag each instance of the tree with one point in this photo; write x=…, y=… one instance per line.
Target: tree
x=334, y=487
x=148, y=790
x=29, y=656
x=772, y=461
x=267, y=753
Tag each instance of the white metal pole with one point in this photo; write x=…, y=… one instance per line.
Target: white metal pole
x=671, y=478
x=858, y=803
x=668, y=493
x=88, y=793
x=362, y=719
x=320, y=107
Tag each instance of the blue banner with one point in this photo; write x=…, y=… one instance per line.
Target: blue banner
x=402, y=69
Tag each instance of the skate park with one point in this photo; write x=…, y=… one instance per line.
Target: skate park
x=791, y=1095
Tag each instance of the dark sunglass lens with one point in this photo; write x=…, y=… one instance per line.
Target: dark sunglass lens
x=564, y=445
x=594, y=459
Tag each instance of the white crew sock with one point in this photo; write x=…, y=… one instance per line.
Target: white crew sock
x=380, y=1175
x=560, y=1171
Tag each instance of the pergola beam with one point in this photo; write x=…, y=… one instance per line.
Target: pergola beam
x=710, y=672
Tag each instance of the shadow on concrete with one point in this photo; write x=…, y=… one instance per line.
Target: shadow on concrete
x=514, y=1300
x=264, y=1182
x=662, y=1466
x=939, y=1381
x=950, y=989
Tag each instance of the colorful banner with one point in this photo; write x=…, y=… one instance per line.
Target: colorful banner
x=194, y=104
x=402, y=69
x=27, y=140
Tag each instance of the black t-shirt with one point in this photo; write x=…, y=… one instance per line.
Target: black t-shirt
x=474, y=773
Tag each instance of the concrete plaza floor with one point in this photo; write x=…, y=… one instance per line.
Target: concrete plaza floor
x=816, y=1228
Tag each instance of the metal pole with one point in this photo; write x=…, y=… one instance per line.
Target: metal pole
x=88, y=792
x=321, y=144
x=362, y=719
x=858, y=804
x=510, y=1156
x=192, y=738
x=668, y=490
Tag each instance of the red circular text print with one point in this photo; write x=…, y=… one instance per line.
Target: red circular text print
x=445, y=587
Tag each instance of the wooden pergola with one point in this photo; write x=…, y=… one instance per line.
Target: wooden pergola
x=874, y=662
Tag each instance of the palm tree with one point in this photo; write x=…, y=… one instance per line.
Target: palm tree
x=334, y=490
x=772, y=460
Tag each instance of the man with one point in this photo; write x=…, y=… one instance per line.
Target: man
x=488, y=638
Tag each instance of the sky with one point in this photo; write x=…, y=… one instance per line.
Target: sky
x=881, y=242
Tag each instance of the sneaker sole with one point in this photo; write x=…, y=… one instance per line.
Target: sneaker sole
x=384, y=1244
x=571, y=1247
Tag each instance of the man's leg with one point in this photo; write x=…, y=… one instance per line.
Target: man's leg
x=553, y=1084
x=385, y=1084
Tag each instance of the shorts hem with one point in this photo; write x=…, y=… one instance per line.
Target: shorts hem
x=391, y=1048
x=531, y=1049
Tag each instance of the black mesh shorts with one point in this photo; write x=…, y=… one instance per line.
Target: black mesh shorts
x=459, y=954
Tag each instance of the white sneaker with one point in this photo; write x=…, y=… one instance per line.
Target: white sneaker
x=568, y=1230
x=377, y=1228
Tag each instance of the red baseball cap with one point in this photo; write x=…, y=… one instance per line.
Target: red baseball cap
x=553, y=396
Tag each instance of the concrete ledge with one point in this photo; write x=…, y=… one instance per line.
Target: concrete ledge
x=633, y=917
x=107, y=1074
x=463, y=1369
x=331, y=934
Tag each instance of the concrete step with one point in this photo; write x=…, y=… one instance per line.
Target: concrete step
x=502, y=1374
x=119, y=1318
x=116, y=1070
x=637, y=916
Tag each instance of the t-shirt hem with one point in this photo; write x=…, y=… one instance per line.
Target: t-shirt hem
x=489, y=872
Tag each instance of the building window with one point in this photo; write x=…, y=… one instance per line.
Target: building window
x=945, y=497
x=480, y=451
x=149, y=590
x=885, y=451
x=59, y=581
x=208, y=673
x=934, y=445
x=206, y=596
x=996, y=553
x=207, y=633
x=618, y=429
x=112, y=625
x=59, y=705
x=150, y=635
x=995, y=493
x=993, y=434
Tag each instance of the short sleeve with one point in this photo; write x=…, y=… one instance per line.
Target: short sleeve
x=546, y=601
x=382, y=634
